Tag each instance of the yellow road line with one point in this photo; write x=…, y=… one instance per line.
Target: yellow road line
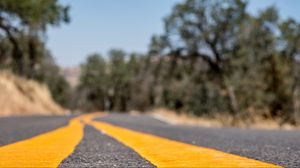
x=89, y=117
x=44, y=150
x=168, y=153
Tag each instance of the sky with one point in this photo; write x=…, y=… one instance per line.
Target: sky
x=99, y=25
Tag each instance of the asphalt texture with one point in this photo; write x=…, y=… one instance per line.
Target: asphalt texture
x=98, y=150
x=277, y=147
x=13, y=129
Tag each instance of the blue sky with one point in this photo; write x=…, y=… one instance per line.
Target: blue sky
x=99, y=25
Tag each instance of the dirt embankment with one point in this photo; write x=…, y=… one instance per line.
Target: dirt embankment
x=20, y=96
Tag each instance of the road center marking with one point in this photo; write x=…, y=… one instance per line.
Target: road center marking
x=163, y=152
x=44, y=150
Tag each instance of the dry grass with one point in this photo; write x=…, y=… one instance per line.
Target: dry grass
x=174, y=118
x=218, y=121
x=25, y=97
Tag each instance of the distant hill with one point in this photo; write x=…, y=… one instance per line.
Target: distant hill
x=20, y=96
x=71, y=74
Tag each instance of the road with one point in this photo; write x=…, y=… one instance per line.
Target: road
x=120, y=140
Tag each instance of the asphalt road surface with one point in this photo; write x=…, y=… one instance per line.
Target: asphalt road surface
x=97, y=149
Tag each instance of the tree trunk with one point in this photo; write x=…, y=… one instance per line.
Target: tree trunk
x=296, y=105
x=32, y=56
x=18, y=62
x=233, y=104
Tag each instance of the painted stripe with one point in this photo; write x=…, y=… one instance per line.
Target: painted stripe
x=44, y=150
x=163, y=152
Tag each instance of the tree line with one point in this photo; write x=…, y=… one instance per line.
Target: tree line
x=214, y=57
x=23, y=27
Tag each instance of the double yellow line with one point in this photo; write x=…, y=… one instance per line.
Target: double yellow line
x=45, y=150
x=49, y=149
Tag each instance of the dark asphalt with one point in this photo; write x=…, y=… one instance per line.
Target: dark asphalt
x=99, y=150
x=278, y=147
x=13, y=129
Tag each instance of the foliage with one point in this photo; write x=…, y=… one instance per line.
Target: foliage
x=213, y=58
x=107, y=84
x=22, y=33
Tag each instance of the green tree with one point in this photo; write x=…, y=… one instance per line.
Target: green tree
x=29, y=18
x=232, y=61
x=207, y=30
x=50, y=74
x=290, y=50
x=94, y=83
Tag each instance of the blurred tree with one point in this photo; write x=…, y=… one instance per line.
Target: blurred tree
x=50, y=74
x=207, y=30
x=29, y=18
x=214, y=58
x=224, y=54
x=290, y=50
x=22, y=32
x=94, y=82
